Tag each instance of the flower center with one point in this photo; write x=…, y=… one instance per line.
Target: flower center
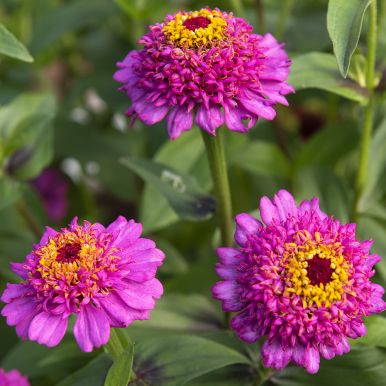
x=196, y=22
x=68, y=253
x=204, y=28
x=319, y=270
x=314, y=270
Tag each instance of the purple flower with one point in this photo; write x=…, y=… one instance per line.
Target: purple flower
x=52, y=188
x=301, y=279
x=12, y=378
x=105, y=276
x=206, y=64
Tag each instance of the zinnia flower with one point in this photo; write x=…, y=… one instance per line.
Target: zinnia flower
x=104, y=276
x=301, y=279
x=12, y=378
x=209, y=64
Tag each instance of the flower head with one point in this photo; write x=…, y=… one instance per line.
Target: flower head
x=301, y=279
x=104, y=276
x=12, y=378
x=206, y=63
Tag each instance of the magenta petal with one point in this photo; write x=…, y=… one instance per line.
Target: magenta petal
x=179, y=120
x=245, y=225
x=274, y=355
x=268, y=211
x=19, y=269
x=253, y=103
x=126, y=232
x=47, y=329
x=210, y=118
x=228, y=256
x=311, y=207
x=227, y=292
x=285, y=205
x=233, y=119
x=14, y=291
x=149, y=112
x=308, y=358
x=92, y=328
x=49, y=233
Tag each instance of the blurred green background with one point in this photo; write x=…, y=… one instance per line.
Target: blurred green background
x=63, y=130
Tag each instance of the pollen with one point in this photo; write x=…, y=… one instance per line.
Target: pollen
x=203, y=28
x=315, y=270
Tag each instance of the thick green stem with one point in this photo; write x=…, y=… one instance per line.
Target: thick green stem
x=238, y=7
x=285, y=11
x=29, y=218
x=216, y=158
x=369, y=111
x=260, y=16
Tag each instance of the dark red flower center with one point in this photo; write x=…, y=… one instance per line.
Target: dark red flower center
x=319, y=270
x=68, y=253
x=196, y=22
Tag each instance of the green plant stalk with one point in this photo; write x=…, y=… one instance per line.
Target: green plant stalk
x=217, y=163
x=238, y=7
x=369, y=111
x=29, y=218
x=285, y=11
x=264, y=375
x=260, y=16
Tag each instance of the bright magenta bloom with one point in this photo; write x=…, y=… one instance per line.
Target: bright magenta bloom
x=301, y=279
x=206, y=64
x=12, y=378
x=105, y=276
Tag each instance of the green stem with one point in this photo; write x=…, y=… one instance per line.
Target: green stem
x=29, y=218
x=260, y=16
x=285, y=11
x=264, y=375
x=238, y=7
x=216, y=158
x=369, y=111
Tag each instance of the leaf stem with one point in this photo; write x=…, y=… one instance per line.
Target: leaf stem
x=285, y=11
x=369, y=111
x=117, y=343
x=29, y=218
x=260, y=16
x=217, y=163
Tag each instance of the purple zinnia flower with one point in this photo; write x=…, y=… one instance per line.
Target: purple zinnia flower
x=105, y=276
x=12, y=378
x=52, y=188
x=206, y=63
x=301, y=279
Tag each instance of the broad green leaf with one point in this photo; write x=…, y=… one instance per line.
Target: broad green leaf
x=9, y=191
x=187, y=156
x=66, y=18
x=94, y=373
x=11, y=47
x=321, y=150
x=176, y=360
x=319, y=70
x=344, y=24
x=324, y=183
x=375, y=332
x=121, y=370
x=175, y=263
x=362, y=366
x=181, y=190
x=180, y=313
x=264, y=158
x=26, y=134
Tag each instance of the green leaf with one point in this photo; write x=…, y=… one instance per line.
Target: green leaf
x=181, y=190
x=362, y=366
x=9, y=191
x=26, y=134
x=94, y=373
x=322, y=182
x=187, y=156
x=316, y=151
x=11, y=47
x=175, y=263
x=66, y=18
x=176, y=360
x=121, y=370
x=319, y=70
x=264, y=158
x=375, y=332
x=344, y=24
